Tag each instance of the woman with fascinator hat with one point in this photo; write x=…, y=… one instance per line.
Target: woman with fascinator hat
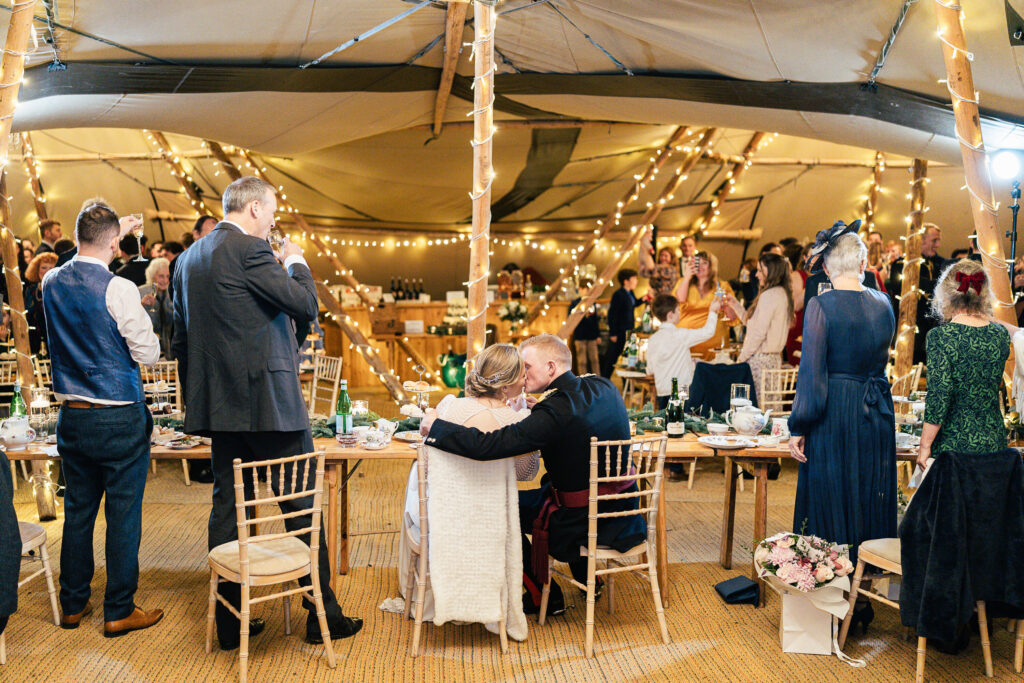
x=814, y=261
x=842, y=423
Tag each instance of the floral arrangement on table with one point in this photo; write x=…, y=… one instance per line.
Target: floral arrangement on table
x=513, y=311
x=803, y=562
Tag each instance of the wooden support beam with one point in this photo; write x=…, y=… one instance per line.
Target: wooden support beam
x=360, y=342
x=12, y=70
x=734, y=235
x=454, y=22
x=906, y=325
x=542, y=124
x=871, y=199
x=110, y=156
x=732, y=176
x=416, y=357
x=718, y=157
x=960, y=82
x=484, y=23
x=188, y=186
x=222, y=161
x=611, y=220
x=32, y=170
x=638, y=231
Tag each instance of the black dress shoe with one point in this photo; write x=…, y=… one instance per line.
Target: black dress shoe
x=256, y=627
x=203, y=475
x=556, y=605
x=348, y=626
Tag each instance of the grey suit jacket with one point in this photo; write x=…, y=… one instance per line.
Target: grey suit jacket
x=233, y=336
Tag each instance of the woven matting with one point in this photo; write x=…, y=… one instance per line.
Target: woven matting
x=710, y=641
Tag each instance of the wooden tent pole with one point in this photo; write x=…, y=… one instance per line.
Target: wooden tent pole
x=871, y=199
x=222, y=160
x=485, y=19
x=361, y=343
x=32, y=170
x=608, y=274
x=12, y=70
x=185, y=181
x=455, y=21
x=732, y=176
x=607, y=223
x=960, y=83
x=909, y=298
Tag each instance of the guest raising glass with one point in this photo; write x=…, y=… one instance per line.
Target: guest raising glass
x=696, y=289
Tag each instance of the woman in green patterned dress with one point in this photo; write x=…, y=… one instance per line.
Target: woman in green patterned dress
x=962, y=538
x=966, y=356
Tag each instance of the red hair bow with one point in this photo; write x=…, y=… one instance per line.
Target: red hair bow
x=968, y=281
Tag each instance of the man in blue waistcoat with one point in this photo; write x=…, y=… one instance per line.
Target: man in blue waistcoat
x=99, y=333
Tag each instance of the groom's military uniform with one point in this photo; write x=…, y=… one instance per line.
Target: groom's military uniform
x=560, y=426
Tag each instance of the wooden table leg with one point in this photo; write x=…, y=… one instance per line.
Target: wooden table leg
x=333, y=542
x=760, y=517
x=343, y=546
x=662, y=537
x=728, y=514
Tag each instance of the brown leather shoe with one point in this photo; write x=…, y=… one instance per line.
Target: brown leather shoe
x=137, y=620
x=73, y=620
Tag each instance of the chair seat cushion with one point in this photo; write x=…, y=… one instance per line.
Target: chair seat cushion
x=606, y=553
x=885, y=548
x=32, y=536
x=279, y=556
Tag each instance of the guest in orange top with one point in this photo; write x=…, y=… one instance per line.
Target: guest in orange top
x=696, y=290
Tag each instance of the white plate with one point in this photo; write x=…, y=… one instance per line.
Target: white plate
x=158, y=388
x=381, y=447
x=411, y=436
x=731, y=443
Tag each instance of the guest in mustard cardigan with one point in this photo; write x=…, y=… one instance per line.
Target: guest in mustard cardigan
x=696, y=290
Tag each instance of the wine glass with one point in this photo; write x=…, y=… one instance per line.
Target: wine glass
x=139, y=230
x=276, y=239
x=739, y=395
x=824, y=287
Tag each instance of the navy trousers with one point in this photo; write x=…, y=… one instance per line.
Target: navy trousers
x=104, y=452
x=10, y=543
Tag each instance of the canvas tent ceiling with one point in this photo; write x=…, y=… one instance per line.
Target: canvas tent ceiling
x=346, y=134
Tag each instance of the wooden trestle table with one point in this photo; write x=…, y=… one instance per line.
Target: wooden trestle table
x=338, y=470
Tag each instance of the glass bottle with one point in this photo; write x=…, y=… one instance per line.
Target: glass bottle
x=343, y=412
x=674, y=424
x=17, y=401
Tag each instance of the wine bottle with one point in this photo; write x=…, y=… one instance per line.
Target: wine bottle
x=674, y=424
x=419, y=290
x=407, y=291
x=394, y=290
x=645, y=321
x=632, y=351
x=343, y=412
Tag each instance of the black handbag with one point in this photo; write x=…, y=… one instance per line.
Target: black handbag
x=739, y=590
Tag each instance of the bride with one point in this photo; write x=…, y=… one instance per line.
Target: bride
x=474, y=551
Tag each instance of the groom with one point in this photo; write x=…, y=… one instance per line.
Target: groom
x=572, y=410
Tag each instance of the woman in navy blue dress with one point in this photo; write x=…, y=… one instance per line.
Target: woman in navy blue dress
x=843, y=426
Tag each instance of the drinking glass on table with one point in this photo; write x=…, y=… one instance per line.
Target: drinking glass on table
x=739, y=395
x=139, y=230
x=276, y=239
x=824, y=287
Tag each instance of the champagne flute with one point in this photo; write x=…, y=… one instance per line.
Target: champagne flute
x=276, y=239
x=139, y=230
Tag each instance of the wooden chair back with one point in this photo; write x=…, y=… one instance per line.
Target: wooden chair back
x=907, y=384
x=778, y=389
x=293, y=477
x=8, y=376
x=323, y=394
x=640, y=459
x=44, y=372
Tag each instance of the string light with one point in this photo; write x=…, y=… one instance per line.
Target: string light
x=732, y=176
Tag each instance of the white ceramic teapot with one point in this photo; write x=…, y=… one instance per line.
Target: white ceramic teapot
x=15, y=433
x=747, y=420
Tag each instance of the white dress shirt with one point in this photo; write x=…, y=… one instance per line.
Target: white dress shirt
x=668, y=353
x=294, y=258
x=124, y=303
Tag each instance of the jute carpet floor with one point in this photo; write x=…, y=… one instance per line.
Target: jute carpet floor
x=710, y=641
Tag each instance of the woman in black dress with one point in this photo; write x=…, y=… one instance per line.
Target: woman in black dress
x=842, y=426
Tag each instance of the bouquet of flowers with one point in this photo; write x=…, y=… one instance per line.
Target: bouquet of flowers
x=803, y=562
x=513, y=311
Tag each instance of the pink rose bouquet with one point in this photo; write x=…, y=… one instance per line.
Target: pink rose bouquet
x=803, y=562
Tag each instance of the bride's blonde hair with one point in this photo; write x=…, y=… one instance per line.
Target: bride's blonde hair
x=496, y=367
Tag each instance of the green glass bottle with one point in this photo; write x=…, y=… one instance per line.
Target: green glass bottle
x=674, y=424
x=343, y=412
x=17, y=402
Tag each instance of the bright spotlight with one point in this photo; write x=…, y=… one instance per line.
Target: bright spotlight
x=1006, y=164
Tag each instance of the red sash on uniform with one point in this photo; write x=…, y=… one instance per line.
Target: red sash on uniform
x=563, y=499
